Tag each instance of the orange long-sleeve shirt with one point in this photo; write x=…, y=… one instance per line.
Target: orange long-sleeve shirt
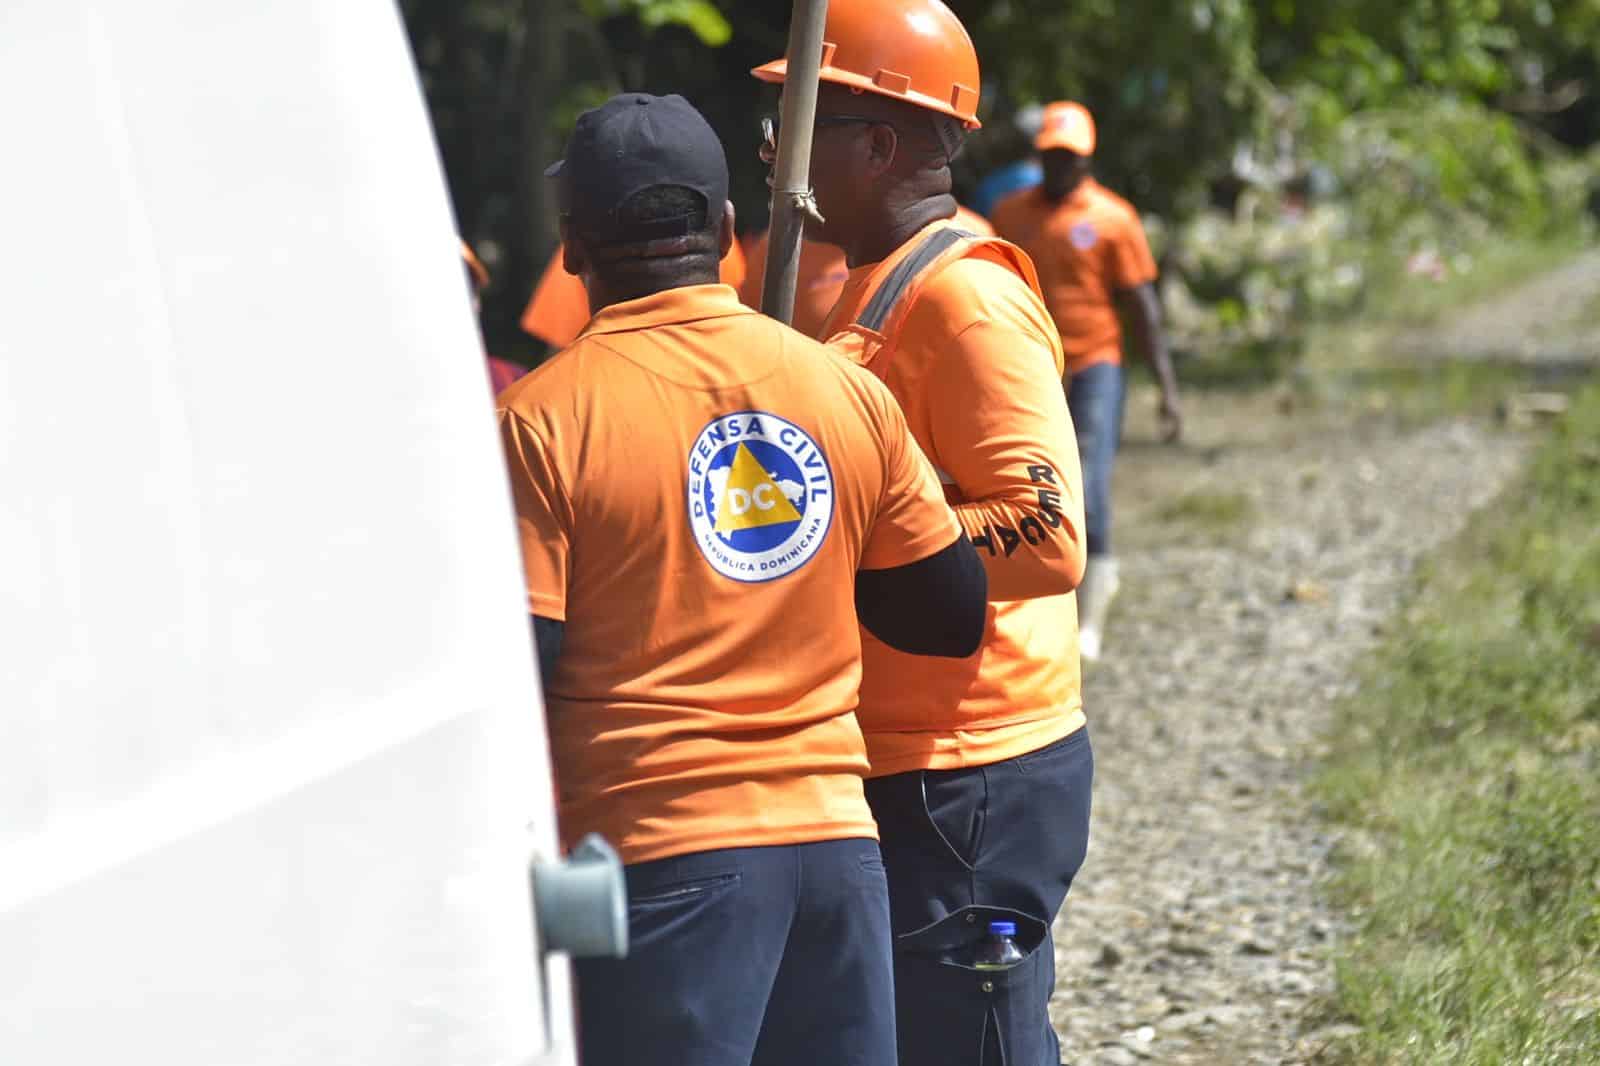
x=975, y=363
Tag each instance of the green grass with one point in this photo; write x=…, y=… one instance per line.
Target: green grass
x=1420, y=394
x=1214, y=511
x=1466, y=776
x=1234, y=368
x=1590, y=315
x=1363, y=338
x=1493, y=268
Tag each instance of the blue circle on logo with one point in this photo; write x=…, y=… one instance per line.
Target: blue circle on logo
x=760, y=495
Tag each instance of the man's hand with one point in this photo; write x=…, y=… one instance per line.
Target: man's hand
x=1171, y=413
x=1146, y=315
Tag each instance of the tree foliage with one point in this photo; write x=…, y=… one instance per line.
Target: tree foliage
x=1457, y=108
x=701, y=17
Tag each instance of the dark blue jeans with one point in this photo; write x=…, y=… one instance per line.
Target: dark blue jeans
x=1002, y=841
x=1095, y=398
x=775, y=956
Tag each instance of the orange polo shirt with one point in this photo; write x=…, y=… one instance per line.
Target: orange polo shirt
x=1086, y=248
x=976, y=367
x=559, y=307
x=696, y=486
x=817, y=284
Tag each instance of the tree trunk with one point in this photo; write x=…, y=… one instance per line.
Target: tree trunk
x=540, y=71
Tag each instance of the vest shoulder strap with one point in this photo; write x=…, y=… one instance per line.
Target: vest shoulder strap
x=898, y=291
x=883, y=302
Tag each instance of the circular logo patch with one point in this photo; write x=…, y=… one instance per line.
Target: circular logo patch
x=760, y=496
x=1083, y=236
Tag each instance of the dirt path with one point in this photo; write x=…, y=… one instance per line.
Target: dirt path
x=1260, y=563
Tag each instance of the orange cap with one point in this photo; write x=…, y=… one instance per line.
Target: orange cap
x=1066, y=124
x=911, y=50
x=479, y=272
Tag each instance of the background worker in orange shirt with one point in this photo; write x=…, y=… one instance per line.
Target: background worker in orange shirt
x=707, y=501
x=1090, y=250
x=981, y=768
x=821, y=275
x=559, y=307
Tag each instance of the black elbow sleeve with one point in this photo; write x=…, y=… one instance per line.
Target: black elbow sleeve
x=935, y=606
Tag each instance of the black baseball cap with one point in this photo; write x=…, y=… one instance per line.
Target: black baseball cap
x=631, y=143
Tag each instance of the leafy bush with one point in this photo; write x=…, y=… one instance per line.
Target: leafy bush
x=1253, y=278
x=1413, y=193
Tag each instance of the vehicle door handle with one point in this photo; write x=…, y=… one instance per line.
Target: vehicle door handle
x=581, y=902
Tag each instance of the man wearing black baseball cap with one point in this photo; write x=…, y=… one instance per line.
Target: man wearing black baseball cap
x=644, y=185
x=708, y=501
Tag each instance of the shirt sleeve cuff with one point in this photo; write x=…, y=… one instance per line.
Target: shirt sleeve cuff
x=547, y=606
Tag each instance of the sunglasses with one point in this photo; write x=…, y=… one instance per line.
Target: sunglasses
x=769, y=128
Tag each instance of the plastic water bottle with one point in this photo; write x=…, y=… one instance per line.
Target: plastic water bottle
x=998, y=950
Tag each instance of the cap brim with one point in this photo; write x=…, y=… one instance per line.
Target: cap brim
x=773, y=73
x=1047, y=141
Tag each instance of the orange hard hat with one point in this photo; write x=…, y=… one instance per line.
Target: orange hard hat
x=1066, y=124
x=911, y=50
x=475, y=267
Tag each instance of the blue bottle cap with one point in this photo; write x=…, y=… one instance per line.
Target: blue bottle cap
x=1002, y=928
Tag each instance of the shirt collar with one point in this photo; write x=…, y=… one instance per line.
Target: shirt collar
x=689, y=303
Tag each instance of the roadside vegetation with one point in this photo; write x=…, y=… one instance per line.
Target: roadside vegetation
x=1465, y=779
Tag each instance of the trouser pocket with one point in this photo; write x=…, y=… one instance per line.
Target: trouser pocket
x=949, y=1011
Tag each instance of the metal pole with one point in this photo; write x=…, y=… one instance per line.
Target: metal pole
x=791, y=180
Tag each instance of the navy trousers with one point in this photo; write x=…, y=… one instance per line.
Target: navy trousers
x=774, y=956
x=964, y=847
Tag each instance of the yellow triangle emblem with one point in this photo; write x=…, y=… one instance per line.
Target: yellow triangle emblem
x=751, y=498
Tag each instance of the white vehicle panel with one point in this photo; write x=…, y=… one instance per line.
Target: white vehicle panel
x=272, y=765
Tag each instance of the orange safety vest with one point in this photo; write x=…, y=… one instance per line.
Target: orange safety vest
x=869, y=340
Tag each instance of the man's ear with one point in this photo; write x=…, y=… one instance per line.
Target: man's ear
x=726, y=238
x=883, y=146
x=572, y=258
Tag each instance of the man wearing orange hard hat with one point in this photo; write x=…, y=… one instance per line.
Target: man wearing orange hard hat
x=981, y=767
x=1090, y=250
